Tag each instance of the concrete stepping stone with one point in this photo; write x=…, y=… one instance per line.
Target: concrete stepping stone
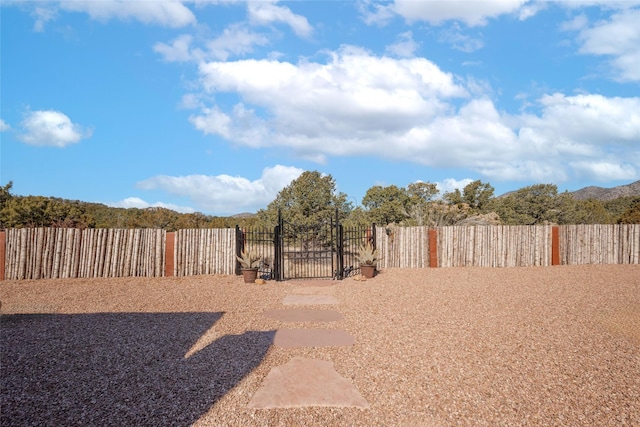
x=314, y=290
x=306, y=382
x=303, y=315
x=297, y=338
x=317, y=283
x=309, y=300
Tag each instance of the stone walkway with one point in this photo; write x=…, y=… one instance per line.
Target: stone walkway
x=308, y=382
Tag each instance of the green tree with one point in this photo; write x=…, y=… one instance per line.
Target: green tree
x=5, y=196
x=476, y=195
x=631, y=215
x=386, y=205
x=309, y=200
x=38, y=211
x=536, y=204
x=358, y=217
x=5, y=193
x=617, y=207
x=27, y=211
x=64, y=213
x=589, y=211
x=420, y=202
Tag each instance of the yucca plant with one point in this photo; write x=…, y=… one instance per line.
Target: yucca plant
x=367, y=255
x=249, y=259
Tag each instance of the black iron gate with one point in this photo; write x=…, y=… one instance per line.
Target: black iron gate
x=324, y=250
x=306, y=251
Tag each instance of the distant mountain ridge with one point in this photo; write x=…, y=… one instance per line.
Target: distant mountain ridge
x=606, y=194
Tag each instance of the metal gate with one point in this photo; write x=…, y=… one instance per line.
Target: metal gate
x=324, y=250
x=307, y=251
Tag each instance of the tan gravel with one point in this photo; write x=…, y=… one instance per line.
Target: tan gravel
x=433, y=347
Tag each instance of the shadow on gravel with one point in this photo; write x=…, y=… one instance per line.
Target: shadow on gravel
x=120, y=369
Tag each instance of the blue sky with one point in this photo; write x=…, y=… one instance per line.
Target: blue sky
x=215, y=106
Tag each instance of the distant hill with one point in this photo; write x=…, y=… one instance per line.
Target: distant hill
x=599, y=193
x=244, y=215
x=606, y=194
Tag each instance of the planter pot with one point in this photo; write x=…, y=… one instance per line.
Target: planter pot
x=367, y=270
x=250, y=275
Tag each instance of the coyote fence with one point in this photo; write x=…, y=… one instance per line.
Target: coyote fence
x=44, y=253
x=600, y=244
x=204, y=251
x=465, y=246
x=52, y=253
x=508, y=246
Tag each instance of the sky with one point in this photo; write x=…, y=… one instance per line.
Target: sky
x=214, y=106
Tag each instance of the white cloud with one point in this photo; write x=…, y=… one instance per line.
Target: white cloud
x=529, y=10
x=594, y=119
x=51, y=128
x=168, y=13
x=472, y=13
x=135, y=202
x=604, y=4
x=604, y=170
x=179, y=50
x=224, y=194
x=4, y=126
x=404, y=47
x=460, y=41
x=449, y=184
x=582, y=135
x=265, y=12
x=406, y=110
x=42, y=15
x=212, y=121
x=374, y=13
x=312, y=105
x=617, y=38
x=190, y=101
x=578, y=23
x=236, y=40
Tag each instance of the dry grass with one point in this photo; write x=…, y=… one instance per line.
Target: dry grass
x=465, y=346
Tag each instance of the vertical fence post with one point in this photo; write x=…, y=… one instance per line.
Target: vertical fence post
x=339, y=252
x=433, y=248
x=169, y=258
x=555, y=245
x=239, y=248
x=3, y=253
x=277, y=254
x=374, y=237
x=278, y=241
x=338, y=273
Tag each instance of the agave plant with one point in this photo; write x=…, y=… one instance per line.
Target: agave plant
x=367, y=254
x=249, y=259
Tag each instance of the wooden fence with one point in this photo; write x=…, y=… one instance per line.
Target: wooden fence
x=508, y=246
x=205, y=251
x=465, y=246
x=600, y=244
x=52, y=253
x=44, y=253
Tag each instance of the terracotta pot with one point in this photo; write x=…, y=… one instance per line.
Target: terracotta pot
x=368, y=270
x=249, y=274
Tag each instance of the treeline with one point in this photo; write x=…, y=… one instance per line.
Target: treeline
x=39, y=211
x=422, y=204
x=313, y=197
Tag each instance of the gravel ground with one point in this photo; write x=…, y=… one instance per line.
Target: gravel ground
x=434, y=347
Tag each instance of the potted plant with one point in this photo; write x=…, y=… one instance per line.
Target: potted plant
x=250, y=263
x=367, y=257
